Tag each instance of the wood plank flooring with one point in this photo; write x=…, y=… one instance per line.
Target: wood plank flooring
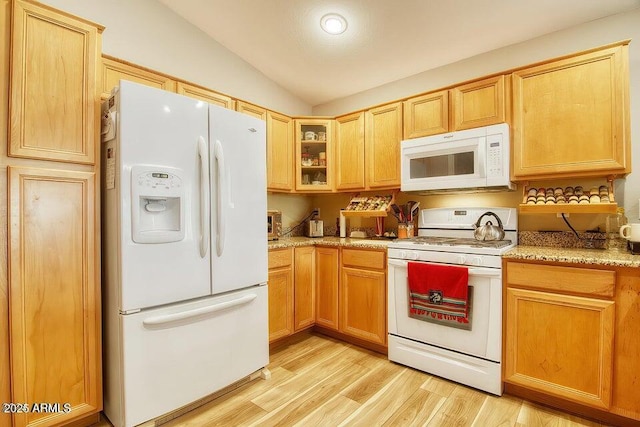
x=320, y=381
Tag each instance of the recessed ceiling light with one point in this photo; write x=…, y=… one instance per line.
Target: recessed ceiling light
x=333, y=23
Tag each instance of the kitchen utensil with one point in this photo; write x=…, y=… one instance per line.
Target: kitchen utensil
x=488, y=231
x=414, y=209
x=397, y=212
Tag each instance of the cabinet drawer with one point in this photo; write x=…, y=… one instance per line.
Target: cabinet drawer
x=562, y=279
x=364, y=258
x=280, y=257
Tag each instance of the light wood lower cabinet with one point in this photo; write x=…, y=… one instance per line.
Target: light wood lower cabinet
x=363, y=295
x=560, y=344
x=339, y=289
x=559, y=331
x=327, y=279
x=304, y=288
x=280, y=293
x=54, y=294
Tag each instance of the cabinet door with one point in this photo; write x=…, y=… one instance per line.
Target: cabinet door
x=113, y=71
x=205, y=95
x=252, y=110
x=279, y=152
x=314, y=155
x=280, y=303
x=560, y=345
x=426, y=115
x=479, y=103
x=305, y=288
x=382, y=137
x=327, y=287
x=54, y=293
x=364, y=304
x=54, y=105
x=349, y=152
x=571, y=117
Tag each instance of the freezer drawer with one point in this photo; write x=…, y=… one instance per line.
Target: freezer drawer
x=177, y=354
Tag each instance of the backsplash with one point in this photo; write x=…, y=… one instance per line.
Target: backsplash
x=562, y=239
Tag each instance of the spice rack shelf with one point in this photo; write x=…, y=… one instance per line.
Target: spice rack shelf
x=359, y=206
x=527, y=207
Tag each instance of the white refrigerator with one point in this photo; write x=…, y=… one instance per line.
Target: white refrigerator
x=184, y=251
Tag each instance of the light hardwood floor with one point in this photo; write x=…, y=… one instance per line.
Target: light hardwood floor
x=319, y=381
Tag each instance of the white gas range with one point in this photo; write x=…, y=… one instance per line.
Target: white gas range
x=469, y=354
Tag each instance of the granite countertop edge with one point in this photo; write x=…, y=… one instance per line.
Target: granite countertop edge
x=291, y=242
x=532, y=253
x=574, y=256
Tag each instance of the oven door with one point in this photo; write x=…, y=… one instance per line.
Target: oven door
x=484, y=337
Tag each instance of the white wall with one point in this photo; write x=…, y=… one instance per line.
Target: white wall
x=582, y=37
x=147, y=33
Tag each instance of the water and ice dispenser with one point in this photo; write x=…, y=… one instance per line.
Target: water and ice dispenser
x=157, y=204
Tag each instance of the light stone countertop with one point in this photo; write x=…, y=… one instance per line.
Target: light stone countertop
x=571, y=255
x=289, y=242
x=533, y=253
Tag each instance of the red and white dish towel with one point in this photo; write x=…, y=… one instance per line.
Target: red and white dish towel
x=438, y=292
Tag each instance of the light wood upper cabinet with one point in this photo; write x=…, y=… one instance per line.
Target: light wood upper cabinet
x=572, y=334
x=571, y=116
x=382, y=140
x=426, y=114
x=252, y=110
x=349, y=152
x=279, y=152
x=205, y=95
x=114, y=70
x=54, y=293
x=54, y=107
x=479, y=103
x=327, y=278
x=304, y=287
x=314, y=155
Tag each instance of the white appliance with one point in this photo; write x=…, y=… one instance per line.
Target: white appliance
x=468, y=159
x=184, y=251
x=468, y=356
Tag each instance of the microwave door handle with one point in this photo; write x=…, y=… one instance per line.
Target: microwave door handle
x=482, y=157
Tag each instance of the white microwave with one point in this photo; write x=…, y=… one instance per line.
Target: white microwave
x=465, y=160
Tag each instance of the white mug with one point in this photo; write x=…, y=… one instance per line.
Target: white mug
x=310, y=136
x=633, y=234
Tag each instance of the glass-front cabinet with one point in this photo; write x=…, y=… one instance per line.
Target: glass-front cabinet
x=314, y=155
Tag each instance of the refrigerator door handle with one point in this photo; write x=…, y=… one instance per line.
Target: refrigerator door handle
x=190, y=314
x=220, y=219
x=204, y=196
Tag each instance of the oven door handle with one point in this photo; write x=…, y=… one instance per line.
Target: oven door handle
x=483, y=272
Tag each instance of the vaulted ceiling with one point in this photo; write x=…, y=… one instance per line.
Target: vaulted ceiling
x=386, y=40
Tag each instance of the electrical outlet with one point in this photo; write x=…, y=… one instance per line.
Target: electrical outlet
x=316, y=211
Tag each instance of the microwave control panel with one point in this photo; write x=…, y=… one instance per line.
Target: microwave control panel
x=495, y=156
